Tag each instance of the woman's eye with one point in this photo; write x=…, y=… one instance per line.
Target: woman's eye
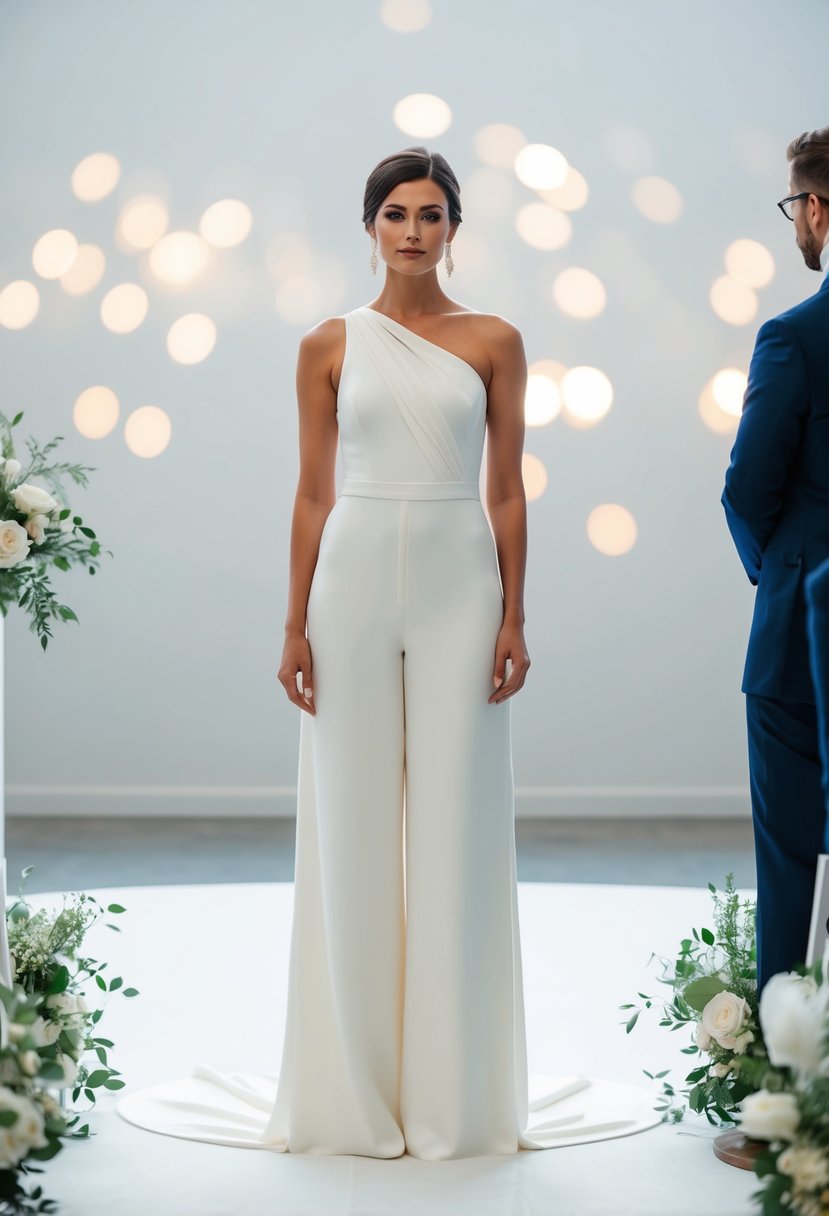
x=428, y=216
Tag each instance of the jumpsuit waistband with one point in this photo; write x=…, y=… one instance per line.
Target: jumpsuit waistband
x=410, y=489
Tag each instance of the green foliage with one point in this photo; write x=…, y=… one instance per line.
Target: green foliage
x=27, y=583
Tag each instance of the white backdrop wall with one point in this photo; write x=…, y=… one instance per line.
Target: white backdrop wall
x=164, y=700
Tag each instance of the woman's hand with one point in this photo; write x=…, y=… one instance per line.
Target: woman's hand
x=296, y=657
x=509, y=645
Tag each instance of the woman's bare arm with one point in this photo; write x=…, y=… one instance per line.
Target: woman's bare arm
x=506, y=499
x=315, y=493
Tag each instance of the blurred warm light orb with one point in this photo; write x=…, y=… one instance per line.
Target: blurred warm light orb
x=657, y=199
x=54, y=253
x=572, y=194
x=405, y=16
x=124, y=307
x=86, y=271
x=579, y=293
x=587, y=393
x=541, y=167
x=534, y=476
x=542, y=401
x=299, y=299
x=147, y=431
x=728, y=388
x=19, y=304
x=499, y=143
x=611, y=529
x=543, y=226
x=191, y=338
x=718, y=420
x=95, y=411
x=422, y=115
x=629, y=148
x=226, y=223
x=142, y=222
x=179, y=257
x=749, y=262
x=733, y=301
x=96, y=176
x=288, y=255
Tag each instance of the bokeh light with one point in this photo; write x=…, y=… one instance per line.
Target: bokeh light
x=749, y=262
x=541, y=167
x=86, y=271
x=611, y=529
x=534, y=475
x=572, y=194
x=657, y=199
x=542, y=402
x=728, y=388
x=95, y=176
x=19, y=304
x=95, y=411
x=718, y=420
x=498, y=144
x=579, y=293
x=147, y=431
x=406, y=16
x=226, y=223
x=191, y=338
x=179, y=257
x=142, y=222
x=124, y=307
x=587, y=393
x=54, y=253
x=543, y=226
x=733, y=301
x=422, y=115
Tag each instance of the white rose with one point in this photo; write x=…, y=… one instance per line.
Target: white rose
x=32, y=500
x=14, y=543
x=62, y=1002
x=720, y=1070
x=704, y=1039
x=792, y=1015
x=70, y=1072
x=80, y=1004
x=11, y=470
x=767, y=1116
x=30, y=1062
x=36, y=527
x=724, y=1016
x=44, y=1032
x=807, y=1166
x=24, y=1134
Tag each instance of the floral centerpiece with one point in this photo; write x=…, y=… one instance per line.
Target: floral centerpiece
x=714, y=985
x=46, y=1032
x=794, y=1019
x=37, y=530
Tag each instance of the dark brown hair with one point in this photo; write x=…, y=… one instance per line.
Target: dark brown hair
x=809, y=156
x=408, y=166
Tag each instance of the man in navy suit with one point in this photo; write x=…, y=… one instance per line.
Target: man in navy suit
x=776, y=501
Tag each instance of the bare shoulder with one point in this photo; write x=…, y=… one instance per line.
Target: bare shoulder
x=321, y=349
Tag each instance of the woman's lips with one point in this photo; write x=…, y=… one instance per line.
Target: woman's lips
x=410, y=253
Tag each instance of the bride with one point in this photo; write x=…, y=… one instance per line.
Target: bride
x=404, y=645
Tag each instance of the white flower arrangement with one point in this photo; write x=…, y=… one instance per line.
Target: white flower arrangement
x=37, y=529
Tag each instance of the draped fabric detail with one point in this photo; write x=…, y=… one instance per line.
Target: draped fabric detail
x=406, y=362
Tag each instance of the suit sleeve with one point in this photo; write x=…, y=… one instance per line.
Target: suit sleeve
x=767, y=441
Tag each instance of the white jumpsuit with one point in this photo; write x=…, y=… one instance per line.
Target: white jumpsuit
x=405, y=1018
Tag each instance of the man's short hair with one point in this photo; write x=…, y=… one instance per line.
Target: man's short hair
x=809, y=157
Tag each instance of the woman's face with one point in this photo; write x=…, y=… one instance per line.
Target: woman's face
x=414, y=215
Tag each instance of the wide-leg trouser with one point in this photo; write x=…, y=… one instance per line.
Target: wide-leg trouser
x=405, y=1023
x=789, y=818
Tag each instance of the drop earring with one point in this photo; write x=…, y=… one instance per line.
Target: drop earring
x=450, y=264
x=373, y=258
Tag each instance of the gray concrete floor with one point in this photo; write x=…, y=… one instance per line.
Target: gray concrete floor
x=73, y=854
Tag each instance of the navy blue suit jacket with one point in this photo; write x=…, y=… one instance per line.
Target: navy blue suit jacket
x=776, y=495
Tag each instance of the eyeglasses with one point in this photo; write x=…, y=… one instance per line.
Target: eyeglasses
x=785, y=204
